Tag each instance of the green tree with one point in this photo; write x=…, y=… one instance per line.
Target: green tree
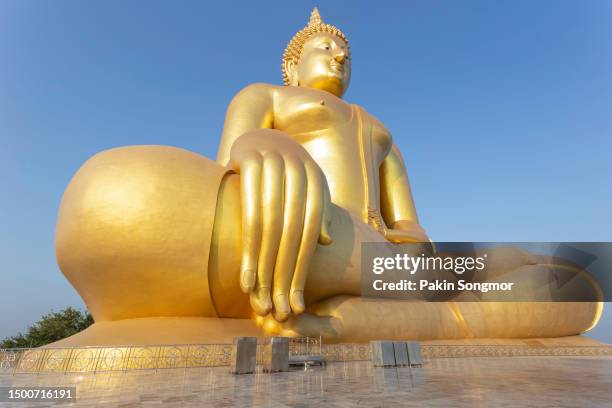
x=51, y=327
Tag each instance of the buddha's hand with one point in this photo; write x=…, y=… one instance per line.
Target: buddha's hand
x=285, y=213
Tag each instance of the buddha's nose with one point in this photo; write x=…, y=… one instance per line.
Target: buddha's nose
x=340, y=58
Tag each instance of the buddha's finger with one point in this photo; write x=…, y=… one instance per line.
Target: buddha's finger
x=272, y=203
x=293, y=222
x=325, y=237
x=307, y=325
x=250, y=190
x=310, y=234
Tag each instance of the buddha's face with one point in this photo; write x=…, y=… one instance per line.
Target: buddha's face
x=324, y=64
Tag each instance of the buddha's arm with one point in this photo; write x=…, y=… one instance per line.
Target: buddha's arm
x=284, y=203
x=251, y=109
x=397, y=205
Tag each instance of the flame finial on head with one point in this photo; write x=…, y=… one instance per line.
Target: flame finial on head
x=294, y=48
x=315, y=18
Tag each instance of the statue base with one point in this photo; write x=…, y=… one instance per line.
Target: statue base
x=163, y=331
x=168, y=331
x=204, y=342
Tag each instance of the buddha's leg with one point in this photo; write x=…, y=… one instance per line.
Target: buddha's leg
x=357, y=319
x=354, y=319
x=135, y=237
x=338, y=312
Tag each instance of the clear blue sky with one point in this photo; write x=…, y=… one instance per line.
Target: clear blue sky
x=502, y=109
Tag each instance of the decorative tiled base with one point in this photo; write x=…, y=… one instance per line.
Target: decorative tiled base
x=209, y=355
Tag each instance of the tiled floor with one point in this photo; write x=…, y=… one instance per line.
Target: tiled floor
x=456, y=382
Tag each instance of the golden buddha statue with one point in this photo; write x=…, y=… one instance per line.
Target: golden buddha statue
x=166, y=246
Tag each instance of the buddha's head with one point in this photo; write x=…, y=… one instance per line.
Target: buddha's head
x=318, y=57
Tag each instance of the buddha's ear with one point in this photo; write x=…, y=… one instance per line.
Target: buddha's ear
x=291, y=70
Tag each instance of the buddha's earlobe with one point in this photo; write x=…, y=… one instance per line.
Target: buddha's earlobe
x=291, y=70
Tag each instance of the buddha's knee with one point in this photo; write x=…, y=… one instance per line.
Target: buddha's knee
x=134, y=231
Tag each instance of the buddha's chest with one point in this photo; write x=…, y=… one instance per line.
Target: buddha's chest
x=346, y=142
x=321, y=121
x=306, y=110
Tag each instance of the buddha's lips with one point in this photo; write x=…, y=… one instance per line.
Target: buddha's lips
x=337, y=66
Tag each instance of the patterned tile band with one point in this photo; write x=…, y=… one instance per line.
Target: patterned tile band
x=208, y=355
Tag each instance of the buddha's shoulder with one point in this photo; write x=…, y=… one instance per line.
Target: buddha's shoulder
x=284, y=92
x=257, y=89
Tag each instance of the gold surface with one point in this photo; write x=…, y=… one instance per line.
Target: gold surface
x=134, y=232
x=271, y=233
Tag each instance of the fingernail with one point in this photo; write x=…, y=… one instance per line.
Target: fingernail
x=263, y=294
x=260, y=302
x=282, y=308
x=297, y=302
x=248, y=279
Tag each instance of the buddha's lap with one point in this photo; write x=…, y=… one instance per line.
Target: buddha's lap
x=135, y=228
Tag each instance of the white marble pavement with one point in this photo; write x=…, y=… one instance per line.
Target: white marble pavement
x=457, y=382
